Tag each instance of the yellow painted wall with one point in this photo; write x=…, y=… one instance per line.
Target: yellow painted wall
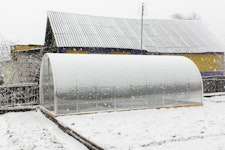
x=121, y=53
x=77, y=52
x=207, y=62
x=24, y=47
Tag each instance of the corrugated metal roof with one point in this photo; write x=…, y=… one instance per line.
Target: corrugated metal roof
x=163, y=36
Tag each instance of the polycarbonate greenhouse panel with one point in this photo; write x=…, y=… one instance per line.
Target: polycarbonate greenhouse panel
x=76, y=83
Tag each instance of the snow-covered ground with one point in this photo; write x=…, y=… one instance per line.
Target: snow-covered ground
x=201, y=128
x=32, y=130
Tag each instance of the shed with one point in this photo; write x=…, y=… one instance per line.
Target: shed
x=77, y=33
x=85, y=83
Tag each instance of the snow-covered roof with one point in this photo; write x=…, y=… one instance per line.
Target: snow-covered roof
x=162, y=36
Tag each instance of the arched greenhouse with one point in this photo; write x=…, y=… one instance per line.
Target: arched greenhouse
x=76, y=83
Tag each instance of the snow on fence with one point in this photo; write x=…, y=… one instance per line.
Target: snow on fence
x=19, y=94
x=87, y=83
x=214, y=84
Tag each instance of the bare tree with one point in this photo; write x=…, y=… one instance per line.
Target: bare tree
x=178, y=16
x=4, y=56
x=192, y=16
x=4, y=49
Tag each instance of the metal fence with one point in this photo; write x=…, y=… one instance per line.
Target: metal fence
x=28, y=93
x=213, y=85
x=19, y=94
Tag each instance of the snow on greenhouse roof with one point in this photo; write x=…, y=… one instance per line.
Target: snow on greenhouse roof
x=162, y=36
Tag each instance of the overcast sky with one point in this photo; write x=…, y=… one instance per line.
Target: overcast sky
x=24, y=21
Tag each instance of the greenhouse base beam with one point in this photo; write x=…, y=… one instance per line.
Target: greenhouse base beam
x=90, y=145
x=121, y=110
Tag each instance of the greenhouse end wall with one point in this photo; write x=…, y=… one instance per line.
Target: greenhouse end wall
x=77, y=83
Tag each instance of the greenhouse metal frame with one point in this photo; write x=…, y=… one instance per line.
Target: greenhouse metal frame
x=79, y=83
